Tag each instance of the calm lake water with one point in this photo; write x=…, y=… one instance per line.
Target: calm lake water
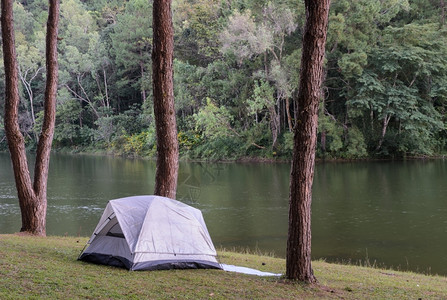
x=391, y=213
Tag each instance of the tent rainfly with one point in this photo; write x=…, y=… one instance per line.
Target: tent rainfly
x=151, y=233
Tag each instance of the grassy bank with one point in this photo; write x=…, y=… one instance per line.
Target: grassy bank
x=46, y=268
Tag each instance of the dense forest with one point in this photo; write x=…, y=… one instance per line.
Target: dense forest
x=236, y=75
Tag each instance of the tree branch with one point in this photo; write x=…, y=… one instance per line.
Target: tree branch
x=82, y=99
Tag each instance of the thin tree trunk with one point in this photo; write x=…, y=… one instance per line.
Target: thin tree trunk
x=31, y=104
x=298, y=264
x=274, y=125
x=32, y=198
x=82, y=99
x=14, y=137
x=323, y=132
x=29, y=91
x=164, y=110
x=386, y=121
x=289, y=116
x=143, y=90
x=106, y=88
x=323, y=142
x=46, y=135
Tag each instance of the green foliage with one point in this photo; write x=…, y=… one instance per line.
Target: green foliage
x=245, y=36
x=186, y=86
x=132, y=121
x=356, y=145
x=199, y=23
x=87, y=137
x=67, y=130
x=395, y=90
x=220, y=148
x=262, y=97
x=236, y=69
x=137, y=142
x=287, y=144
x=332, y=133
x=219, y=138
x=286, y=74
x=110, y=126
x=214, y=122
x=105, y=129
x=226, y=85
x=188, y=140
x=131, y=47
x=257, y=135
x=140, y=144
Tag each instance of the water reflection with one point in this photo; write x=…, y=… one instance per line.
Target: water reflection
x=389, y=212
x=393, y=213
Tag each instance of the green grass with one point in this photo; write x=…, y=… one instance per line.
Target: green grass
x=46, y=268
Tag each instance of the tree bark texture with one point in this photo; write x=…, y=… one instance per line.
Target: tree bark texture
x=32, y=196
x=164, y=110
x=298, y=264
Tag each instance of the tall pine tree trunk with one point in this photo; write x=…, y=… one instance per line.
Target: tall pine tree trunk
x=298, y=263
x=164, y=110
x=32, y=196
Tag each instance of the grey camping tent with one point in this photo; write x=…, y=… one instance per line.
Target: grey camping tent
x=151, y=233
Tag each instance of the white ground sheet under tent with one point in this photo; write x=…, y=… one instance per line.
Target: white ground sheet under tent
x=244, y=270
